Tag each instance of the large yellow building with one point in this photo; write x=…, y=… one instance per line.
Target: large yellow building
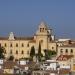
x=20, y=47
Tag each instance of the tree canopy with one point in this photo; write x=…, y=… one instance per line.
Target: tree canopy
x=32, y=52
x=11, y=58
x=40, y=55
x=2, y=50
x=49, y=54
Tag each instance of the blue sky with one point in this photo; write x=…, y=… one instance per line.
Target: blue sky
x=23, y=16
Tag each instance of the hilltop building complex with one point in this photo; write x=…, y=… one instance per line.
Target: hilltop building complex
x=20, y=47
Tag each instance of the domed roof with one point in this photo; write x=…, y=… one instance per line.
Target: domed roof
x=11, y=36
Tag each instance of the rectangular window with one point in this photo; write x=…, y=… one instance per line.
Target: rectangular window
x=66, y=51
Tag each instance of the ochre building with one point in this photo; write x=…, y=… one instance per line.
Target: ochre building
x=20, y=47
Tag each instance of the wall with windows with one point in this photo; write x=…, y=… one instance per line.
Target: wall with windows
x=52, y=46
x=66, y=51
x=20, y=47
x=17, y=48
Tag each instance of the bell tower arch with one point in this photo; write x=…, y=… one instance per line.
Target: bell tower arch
x=43, y=35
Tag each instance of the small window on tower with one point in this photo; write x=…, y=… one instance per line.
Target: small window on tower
x=11, y=45
x=40, y=29
x=28, y=45
x=43, y=29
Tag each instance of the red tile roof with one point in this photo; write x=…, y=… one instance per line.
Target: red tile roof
x=32, y=41
x=9, y=64
x=68, y=45
x=18, y=38
x=64, y=57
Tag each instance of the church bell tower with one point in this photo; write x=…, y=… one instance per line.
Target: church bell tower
x=43, y=36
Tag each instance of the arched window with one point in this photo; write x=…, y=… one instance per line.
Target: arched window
x=28, y=45
x=71, y=50
x=41, y=29
x=22, y=45
x=16, y=52
x=16, y=44
x=66, y=51
x=22, y=52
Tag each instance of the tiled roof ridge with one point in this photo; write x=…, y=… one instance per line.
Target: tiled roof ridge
x=68, y=45
x=64, y=57
x=17, y=38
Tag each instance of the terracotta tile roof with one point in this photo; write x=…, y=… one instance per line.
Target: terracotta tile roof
x=9, y=65
x=68, y=45
x=1, y=71
x=61, y=71
x=32, y=41
x=3, y=38
x=24, y=38
x=64, y=71
x=22, y=66
x=18, y=38
x=64, y=57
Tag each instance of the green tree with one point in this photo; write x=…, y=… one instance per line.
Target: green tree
x=2, y=50
x=49, y=54
x=32, y=52
x=40, y=55
x=46, y=54
x=11, y=58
